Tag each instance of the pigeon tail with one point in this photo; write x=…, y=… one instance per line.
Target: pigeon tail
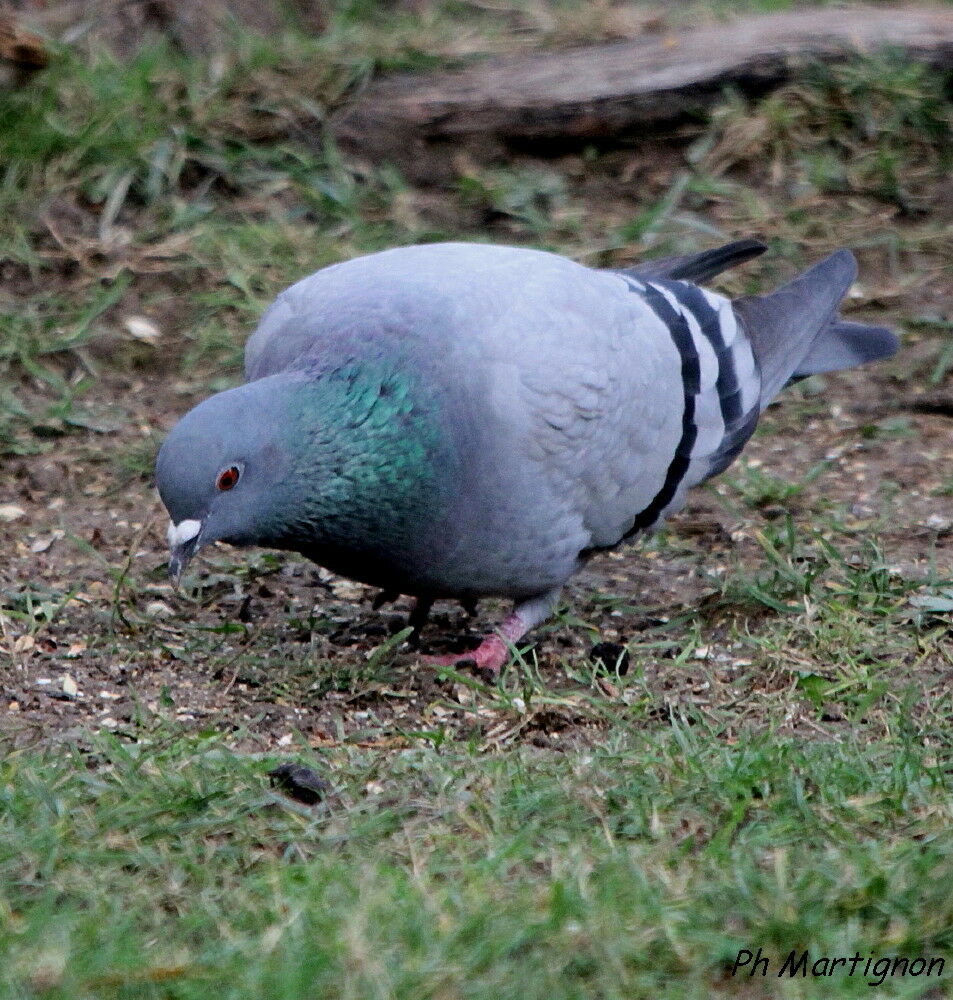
x=845, y=345
x=795, y=331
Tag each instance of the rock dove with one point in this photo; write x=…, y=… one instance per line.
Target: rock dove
x=464, y=420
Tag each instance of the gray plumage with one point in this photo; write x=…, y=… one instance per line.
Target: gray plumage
x=461, y=420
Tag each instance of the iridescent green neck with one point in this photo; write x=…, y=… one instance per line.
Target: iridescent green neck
x=367, y=458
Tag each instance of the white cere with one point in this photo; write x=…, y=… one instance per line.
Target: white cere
x=185, y=531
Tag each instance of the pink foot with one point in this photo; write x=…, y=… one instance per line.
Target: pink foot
x=493, y=652
x=489, y=657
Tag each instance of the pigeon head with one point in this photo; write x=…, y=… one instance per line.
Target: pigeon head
x=217, y=471
x=341, y=465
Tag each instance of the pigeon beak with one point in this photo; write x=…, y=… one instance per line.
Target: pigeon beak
x=183, y=543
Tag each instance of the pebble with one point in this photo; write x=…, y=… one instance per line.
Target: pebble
x=142, y=329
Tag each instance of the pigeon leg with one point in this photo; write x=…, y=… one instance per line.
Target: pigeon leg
x=418, y=617
x=384, y=597
x=494, y=651
x=469, y=605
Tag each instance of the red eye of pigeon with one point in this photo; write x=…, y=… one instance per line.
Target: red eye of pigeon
x=227, y=478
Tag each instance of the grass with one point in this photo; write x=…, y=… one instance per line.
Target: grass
x=880, y=128
x=769, y=768
x=643, y=866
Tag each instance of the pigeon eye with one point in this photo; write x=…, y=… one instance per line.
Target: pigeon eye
x=227, y=478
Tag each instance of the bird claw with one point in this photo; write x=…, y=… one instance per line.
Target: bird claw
x=488, y=658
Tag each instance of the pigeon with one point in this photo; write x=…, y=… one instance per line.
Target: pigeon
x=457, y=420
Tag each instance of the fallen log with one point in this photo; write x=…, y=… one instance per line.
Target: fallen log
x=599, y=91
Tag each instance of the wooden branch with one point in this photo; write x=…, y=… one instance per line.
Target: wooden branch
x=601, y=91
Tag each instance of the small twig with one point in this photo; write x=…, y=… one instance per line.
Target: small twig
x=124, y=573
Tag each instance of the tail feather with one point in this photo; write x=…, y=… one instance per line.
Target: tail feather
x=845, y=345
x=699, y=267
x=795, y=331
